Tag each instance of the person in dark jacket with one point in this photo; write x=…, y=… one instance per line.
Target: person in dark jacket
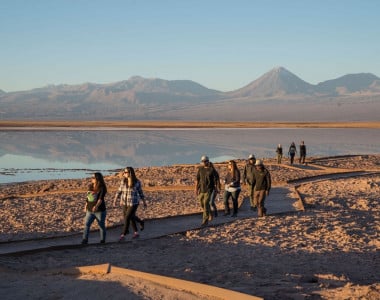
x=247, y=178
x=262, y=184
x=292, y=152
x=279, y=153
x=232, y=188
x=96, y=207
x=207, y=182
x=213, y=208
x=302, y=152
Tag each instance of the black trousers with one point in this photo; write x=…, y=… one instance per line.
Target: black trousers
x=234, y=196
x=130, y=218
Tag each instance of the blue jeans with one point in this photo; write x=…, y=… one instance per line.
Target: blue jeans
x=212, y=201
x=100, y=217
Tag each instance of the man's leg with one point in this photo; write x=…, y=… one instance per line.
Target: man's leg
x=252, y=198
x=212, y=203
x=204, y=199
x=260, y=203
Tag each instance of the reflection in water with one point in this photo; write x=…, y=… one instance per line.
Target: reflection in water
x=28, y=155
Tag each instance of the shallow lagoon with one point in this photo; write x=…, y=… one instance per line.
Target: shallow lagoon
x=57, y=154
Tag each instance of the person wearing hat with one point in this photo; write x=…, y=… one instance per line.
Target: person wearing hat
x=262, y=185
x=213, y=208
x=247, y=178
x=207, y=183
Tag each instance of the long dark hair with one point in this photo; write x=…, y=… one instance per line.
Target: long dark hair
x=132, y=175
x=235, y=170
x=99, y=184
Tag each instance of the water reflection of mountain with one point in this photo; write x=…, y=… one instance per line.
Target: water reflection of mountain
x=135, y=147
x=164, y=147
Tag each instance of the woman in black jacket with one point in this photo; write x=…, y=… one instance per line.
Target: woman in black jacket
x=232, y=188
x=96, y=208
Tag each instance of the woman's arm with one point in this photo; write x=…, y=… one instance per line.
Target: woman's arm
x=118, y=193
x=140, y=192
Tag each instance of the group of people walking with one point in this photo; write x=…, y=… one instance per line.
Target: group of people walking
x=207, y=186
x=292, y=153
x=259, y=182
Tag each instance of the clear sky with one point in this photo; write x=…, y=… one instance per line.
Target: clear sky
x=222, y=45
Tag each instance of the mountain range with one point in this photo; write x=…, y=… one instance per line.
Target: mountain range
x=277, y=95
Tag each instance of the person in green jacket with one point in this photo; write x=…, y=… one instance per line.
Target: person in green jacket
x=262, y=185
x=207, y=183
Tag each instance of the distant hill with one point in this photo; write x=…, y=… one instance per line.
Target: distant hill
x=125, y=98
x=278, y=94
x=275, y=83
x=135, y=90
x=348, y=84
x=375, y=86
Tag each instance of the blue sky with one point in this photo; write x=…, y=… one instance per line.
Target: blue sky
x=222, y=45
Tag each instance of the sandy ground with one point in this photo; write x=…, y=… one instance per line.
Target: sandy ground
x=329, y=251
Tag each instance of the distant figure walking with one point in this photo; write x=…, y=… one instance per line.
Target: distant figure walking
x=130, y=192
x=247, y=178
x=95, y=207
x=302, y=152
x=292, y=152
x=262, y=183
x=279, y=153
x=207, y=182
x=232, y=188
